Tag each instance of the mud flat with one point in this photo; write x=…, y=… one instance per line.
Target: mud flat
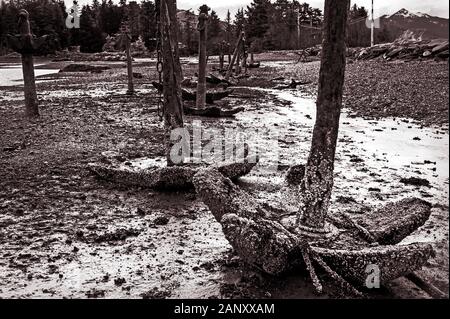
x=65, y=234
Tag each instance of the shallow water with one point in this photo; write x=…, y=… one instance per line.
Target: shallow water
x=389, y=148
x=11, y=75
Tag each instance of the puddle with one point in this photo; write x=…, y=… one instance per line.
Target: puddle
x=12, y=75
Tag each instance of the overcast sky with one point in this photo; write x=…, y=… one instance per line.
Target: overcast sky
x=433, y=7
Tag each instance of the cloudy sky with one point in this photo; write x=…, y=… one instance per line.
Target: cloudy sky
x=434, y=7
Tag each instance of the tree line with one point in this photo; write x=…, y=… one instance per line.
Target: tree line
x=268, y=25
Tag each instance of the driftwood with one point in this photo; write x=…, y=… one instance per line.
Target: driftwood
x=404, y=50
x=257, y=235
x=211, y=97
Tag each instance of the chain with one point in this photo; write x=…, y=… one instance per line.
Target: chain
x=159, y=60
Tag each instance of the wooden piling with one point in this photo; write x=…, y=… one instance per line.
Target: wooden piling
x=317, y=184
x=127, y=38
x=31, y=102
x=201, y=82
x=235, y=55
x=172, y=77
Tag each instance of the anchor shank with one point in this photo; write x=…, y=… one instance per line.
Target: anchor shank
x=31, y=105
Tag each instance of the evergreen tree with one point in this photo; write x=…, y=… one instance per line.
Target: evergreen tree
x=148, y=24
x=228, y=28
x=214, y=33
x=239, y=22
x=92, y=38
x=257, y=25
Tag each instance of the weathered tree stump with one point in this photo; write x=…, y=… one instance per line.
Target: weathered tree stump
x=26, y=44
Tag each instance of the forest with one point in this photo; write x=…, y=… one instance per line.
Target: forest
x=277, y=25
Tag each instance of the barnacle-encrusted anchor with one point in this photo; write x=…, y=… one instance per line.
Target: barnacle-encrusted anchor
x=256, y=233
x=157, y=175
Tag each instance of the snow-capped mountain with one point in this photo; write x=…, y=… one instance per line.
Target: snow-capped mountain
x=420, y=23
x=406, y=14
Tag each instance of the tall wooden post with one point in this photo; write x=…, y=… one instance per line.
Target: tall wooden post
x=29, y=87
x=244, y=55
x=172, y=77
x=201, y=83
x=26, y=45
x=237, y=68
x=235, y=55
x=127, y=37
x=318, y=181
x=372, y=26
x=221, y=55
x=229, y=52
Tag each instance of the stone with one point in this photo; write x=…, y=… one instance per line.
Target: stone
x=415, y=181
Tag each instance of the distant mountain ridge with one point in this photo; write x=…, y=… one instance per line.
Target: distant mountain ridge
x=428, y=26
